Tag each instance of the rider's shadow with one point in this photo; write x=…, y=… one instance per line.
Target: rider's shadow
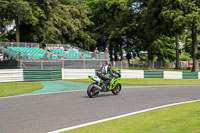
x=100, y=96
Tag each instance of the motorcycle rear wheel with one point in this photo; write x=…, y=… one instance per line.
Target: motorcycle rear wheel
x=92, y=91
x=117, y=89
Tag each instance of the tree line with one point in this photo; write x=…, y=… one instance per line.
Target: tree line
x=155, y=26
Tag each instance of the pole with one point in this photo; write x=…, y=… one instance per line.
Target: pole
x=41, y=63
x=63, y=63
x=20, y=63
x=83, y=64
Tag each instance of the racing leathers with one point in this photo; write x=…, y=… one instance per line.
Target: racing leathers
x=106, y=69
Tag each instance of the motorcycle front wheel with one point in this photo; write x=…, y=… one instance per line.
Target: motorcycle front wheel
x=117, y=89
x=92, y=91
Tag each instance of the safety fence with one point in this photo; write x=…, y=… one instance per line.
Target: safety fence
x=60, y=64
x=11, y=75
x=80, y=64
x=19, y=44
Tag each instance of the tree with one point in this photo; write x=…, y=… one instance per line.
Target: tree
x=64, y=22
x=165, y=18
x=174, y=18
x=19, y=11
x=113, y=25
x=192, y=10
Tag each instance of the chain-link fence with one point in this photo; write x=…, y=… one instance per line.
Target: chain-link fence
x=88, y=64
x=58, y=64
x=78, y=64
x=19, y=44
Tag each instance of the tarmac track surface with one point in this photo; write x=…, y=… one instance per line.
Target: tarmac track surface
x=44, y=113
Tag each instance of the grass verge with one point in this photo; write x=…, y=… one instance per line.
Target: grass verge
x=16, y=88
x=176, y=119
x=148, y=82
x=181, y=70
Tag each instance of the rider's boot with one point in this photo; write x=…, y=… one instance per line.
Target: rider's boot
x=103, y=86
x=107, y=85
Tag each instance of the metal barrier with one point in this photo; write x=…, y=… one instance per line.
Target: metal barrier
x=11, y=75
x=42, y=75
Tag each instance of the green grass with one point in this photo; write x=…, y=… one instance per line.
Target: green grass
x=15, y=88
x=148, y=82
x=177, y=119
x=181, y=70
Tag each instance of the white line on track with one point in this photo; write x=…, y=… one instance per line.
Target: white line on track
x=120, y=116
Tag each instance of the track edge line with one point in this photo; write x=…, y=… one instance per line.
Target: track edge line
x=121, y=116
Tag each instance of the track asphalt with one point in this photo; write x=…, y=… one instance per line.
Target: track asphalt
x=48, y=112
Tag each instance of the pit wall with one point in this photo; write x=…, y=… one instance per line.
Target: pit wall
x=12, y=75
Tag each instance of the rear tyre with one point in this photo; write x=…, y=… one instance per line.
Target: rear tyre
x=117, y=89
x=92, y=91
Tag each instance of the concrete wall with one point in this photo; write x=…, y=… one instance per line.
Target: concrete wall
x=11, y=75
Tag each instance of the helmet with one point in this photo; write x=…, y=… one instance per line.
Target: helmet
x=107, y=63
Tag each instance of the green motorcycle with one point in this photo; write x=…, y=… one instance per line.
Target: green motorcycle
x=99, y=85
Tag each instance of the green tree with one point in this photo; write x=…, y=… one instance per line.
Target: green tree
x=19, y=11
x=175, y=21
x=164, y=18
x=64, y=21
x=192, y=11
x=113, y=25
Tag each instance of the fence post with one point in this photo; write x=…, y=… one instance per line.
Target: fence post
x=100, y=63
x=121, y=64
x=20, y=64
x=126, y=64
x=83, y=64
x=63, y=63
x=41, y=63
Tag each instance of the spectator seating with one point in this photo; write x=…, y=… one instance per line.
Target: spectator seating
x=37, y=54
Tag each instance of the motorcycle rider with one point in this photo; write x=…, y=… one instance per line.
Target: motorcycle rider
x=106, y=69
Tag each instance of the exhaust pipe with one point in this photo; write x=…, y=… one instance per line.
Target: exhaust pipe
x=98, y=87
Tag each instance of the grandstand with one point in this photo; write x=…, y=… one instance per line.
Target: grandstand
x=53, y=52
x=12, y=50
x=32, y=56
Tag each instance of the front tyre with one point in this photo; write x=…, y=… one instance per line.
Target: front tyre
x=117, y=89
x=92, y=91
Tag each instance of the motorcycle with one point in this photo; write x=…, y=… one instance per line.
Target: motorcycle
x=99, y=85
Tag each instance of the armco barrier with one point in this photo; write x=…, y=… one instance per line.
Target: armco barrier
x=172, y=75
x=83, y=73
x=41, y=75
x=198, y=75
x=132, y=73
x=190, y=75
x=11, y=75
x=153, y=74
x=77, y=73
